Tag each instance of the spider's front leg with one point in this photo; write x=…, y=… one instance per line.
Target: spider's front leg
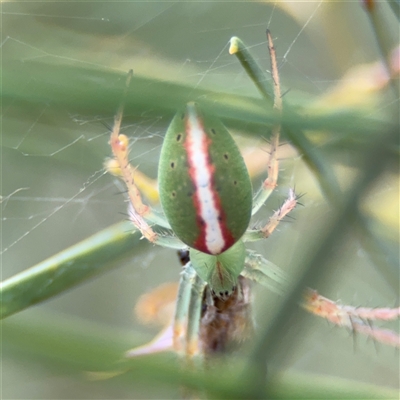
x=139, y=212
x=289, y=204
x=186, y=281
x=260, y=270
x=238, y=48
x=193, y=346
x=188, y=312
x=270, y=182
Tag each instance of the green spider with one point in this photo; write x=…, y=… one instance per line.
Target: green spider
x=206, y=195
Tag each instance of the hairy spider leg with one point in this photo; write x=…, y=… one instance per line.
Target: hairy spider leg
x=289, y=204
x=270, y=183
x=194, y=318
x=138, y=211
x=188, y=275
x=260, y=270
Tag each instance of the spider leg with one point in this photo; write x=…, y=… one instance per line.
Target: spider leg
x=273, y=164
x=111, y=166
x=270, y=183
x=194, y=318
x=188, y=276
x=138, y=211
x=259, y=269
x=187, y=317
x=257, y=234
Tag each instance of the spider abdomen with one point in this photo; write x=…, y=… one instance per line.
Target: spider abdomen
x=205, y=189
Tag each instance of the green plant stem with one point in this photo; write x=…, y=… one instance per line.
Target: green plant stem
x=384, y=40
x=66, y=269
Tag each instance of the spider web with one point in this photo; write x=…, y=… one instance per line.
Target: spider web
x=36, y=188
x=54, y=188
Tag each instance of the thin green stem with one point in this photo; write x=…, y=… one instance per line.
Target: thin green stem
x=384, y=38
x=395, y=6
x=66, y=269
x=239, y=49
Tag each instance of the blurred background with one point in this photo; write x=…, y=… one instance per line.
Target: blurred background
x=63, y=72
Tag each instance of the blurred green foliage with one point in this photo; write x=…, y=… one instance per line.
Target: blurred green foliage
x=63, y=72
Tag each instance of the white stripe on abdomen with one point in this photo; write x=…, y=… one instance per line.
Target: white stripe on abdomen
x=202, y=175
